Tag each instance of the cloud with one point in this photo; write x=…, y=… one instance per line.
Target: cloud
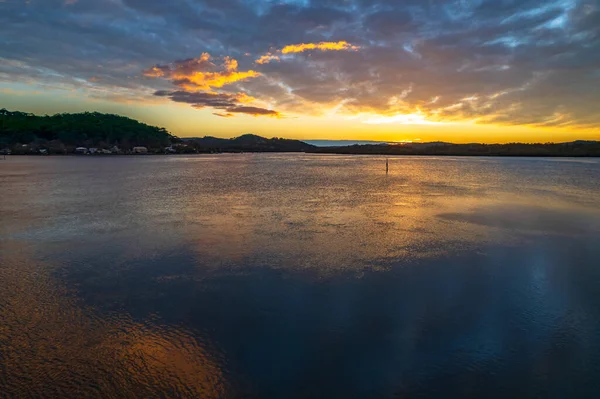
x=520, y=62
x=303, y=47
x=197, y=79
x=223, y=115
x=323, y=46
x=266, y=58
x=200, y=74
x=254, y=111
x=231, y=103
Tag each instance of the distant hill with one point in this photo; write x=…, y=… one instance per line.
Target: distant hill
x=346, y=143
x=342, y=143
x=571, y=149
x=584, y=142
x=253, y=143
x=249, y=143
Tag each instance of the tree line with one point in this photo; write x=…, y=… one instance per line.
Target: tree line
x=571, y=149
x=62, y=133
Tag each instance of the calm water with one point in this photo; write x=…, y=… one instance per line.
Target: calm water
x=284, y=276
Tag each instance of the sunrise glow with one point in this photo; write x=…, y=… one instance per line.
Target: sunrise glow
x=388, y=71
x=405, y=119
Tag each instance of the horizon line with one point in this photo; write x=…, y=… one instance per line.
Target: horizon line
x=386, y=142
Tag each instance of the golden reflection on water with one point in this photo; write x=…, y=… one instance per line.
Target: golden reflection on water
x=342, y=230
x=329, y=215
x=54, y=347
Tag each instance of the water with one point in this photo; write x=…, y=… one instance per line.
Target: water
x=341, y=143
x=283, y=276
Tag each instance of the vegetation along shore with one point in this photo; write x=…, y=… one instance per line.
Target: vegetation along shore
x=95, y=133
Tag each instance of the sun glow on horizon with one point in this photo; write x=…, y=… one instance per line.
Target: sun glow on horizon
x=416, y=118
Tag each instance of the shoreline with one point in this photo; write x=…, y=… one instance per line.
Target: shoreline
x=7, y=156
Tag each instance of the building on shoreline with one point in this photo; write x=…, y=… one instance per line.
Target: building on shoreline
x=140, y=150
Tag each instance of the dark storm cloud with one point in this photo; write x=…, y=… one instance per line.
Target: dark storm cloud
x=200, y=100
x=221, y=101
x=494, y=61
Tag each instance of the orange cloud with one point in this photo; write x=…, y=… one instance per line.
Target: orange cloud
x=199, y=81
x=265, y=59
x=154, y=72
x=203, y=81
x=323, y=46
x=300, y=48
x=195, y=74
x=244, y=98
x=230, y=64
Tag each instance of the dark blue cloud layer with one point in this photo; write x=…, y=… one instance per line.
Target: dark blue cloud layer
x=497, y=61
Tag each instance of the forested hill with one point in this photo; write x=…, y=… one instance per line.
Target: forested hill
x=249, y=143
x=63, y=132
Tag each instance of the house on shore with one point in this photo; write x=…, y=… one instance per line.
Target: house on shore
x=140, y=150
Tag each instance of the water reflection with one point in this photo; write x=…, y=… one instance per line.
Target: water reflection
x=54, y=346
x=299, y=276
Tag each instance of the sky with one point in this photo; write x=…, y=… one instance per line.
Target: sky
x=387, y=70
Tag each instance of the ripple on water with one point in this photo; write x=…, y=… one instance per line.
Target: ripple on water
x=307, y=275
